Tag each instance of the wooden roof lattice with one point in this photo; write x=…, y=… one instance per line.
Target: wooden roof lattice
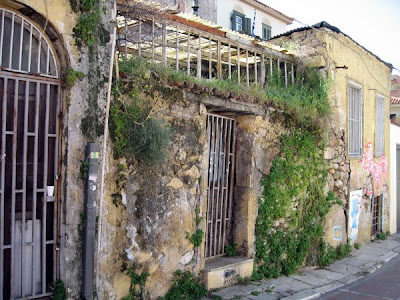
x=198, y=47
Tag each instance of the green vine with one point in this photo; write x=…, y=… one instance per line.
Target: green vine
x=86, y=31
x=186, y=286
x=292, y=208
x=137, y=289
x=70, y=77
x=60, y=293
x=197, y=237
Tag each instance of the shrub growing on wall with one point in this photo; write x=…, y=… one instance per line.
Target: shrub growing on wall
x=291, y=211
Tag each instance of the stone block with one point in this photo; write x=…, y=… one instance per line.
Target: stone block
x=224, y=271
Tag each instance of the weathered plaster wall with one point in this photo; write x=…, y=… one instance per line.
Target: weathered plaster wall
x=257, y=145
x=329, y=50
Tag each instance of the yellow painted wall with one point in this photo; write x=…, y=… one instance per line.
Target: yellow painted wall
x=373, y=76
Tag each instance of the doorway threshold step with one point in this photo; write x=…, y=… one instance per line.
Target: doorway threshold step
x=224, y=271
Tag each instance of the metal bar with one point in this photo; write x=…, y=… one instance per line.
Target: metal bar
x=126, y=38
x=11, y=41
x=226, y=182
x=255, y=67
x=208, y=227
x=215, y=179
x=292, y=73
x=232, y=169
x=247, y=68
x=35, y=165
x=210, y=184
x=39, y=52
x=286, y=77
x=263, y=70
x=45, y=162
x=14, y=167
x=25, y=153
x=3, y=157
x=164, y=43
x=217, y=188
x=56, y=182
x=238, y=62
x=219, y=59
x=48, y=60
x=140, y=36
x=30, y=49
x=199, y=58
x=20, y=44
x=2, y=36
x=229, y=62
x=152, y=38
x=221, y=187
x=209, y=58
x=26, y=76
x=177, y=48
x=188, y=53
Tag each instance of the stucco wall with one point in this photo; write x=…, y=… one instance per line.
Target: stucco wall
x=394, y=143
x=328, y=50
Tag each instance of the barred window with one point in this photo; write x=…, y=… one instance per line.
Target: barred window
x=355, y=104
x=379, y=125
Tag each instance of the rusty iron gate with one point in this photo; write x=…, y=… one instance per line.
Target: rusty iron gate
x=221, y=143
x=29, y=90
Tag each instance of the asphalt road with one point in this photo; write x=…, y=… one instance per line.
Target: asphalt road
x=382, y=284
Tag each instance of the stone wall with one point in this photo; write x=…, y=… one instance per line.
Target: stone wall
x=150, y=211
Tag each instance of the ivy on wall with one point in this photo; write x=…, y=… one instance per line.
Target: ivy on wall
x=291, y=212
x=87, y=27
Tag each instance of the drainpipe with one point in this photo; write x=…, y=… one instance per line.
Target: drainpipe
x=104, y=150
x=92, y=157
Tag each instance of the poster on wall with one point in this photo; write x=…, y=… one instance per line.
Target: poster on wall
x=354, y=214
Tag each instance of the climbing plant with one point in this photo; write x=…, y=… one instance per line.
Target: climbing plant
x=291, y=211
x=87, y=27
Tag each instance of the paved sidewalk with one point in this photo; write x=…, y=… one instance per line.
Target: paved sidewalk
x=313, y=282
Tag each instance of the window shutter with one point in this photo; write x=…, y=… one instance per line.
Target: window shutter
x=355, y=120
x=247, y=26
x=233, y=20
x=379, y=126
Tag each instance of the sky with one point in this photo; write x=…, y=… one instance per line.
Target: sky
x=374, y=24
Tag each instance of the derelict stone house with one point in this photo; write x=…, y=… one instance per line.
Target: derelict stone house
x=359, y=132
x=53, y=185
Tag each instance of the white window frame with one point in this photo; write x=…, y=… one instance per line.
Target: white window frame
x=379, y=125
x=239, y=23
x=355, y=119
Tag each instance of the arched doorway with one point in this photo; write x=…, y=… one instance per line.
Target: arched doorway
x=29, y=110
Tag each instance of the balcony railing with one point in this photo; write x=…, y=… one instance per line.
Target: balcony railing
x=198, y=47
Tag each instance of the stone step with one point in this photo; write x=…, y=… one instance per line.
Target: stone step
x=224, y=271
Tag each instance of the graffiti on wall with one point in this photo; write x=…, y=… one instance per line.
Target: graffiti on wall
x=354, y=216
x=378, y=169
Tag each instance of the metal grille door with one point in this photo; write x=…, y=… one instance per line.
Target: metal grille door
x=221, y=143
x=29, y=93
x=376, y=215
